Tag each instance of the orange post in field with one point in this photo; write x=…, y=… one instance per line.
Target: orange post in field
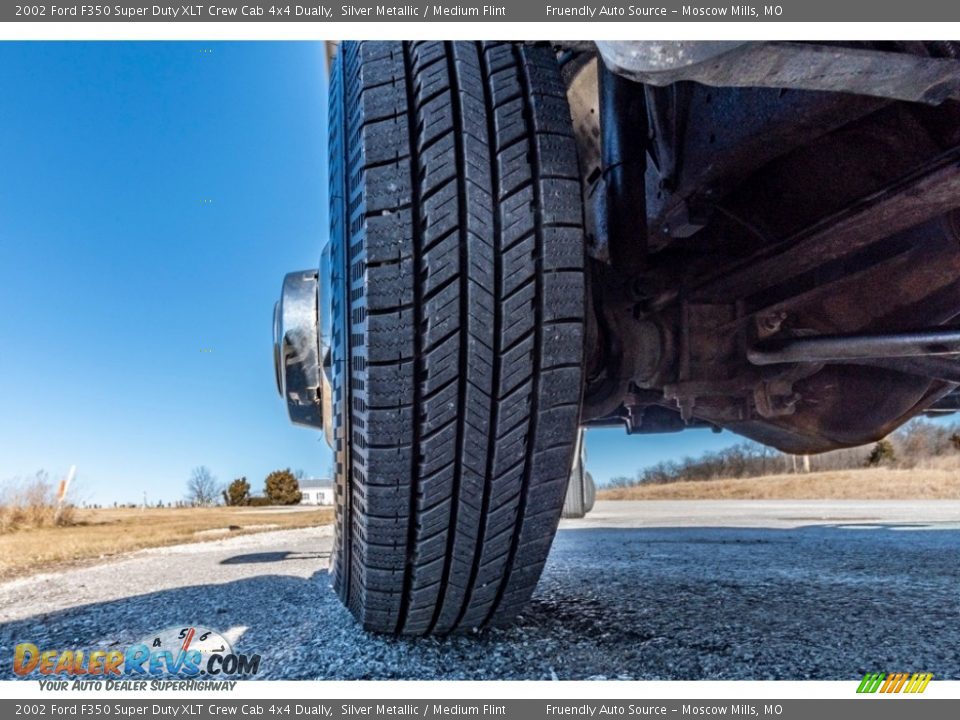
x=62, y=493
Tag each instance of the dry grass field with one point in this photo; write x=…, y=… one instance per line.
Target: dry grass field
x=866, y=484
x=95, y=534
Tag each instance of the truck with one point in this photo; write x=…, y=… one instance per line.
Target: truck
x=530, y=239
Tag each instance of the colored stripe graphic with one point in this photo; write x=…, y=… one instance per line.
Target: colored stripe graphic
x=894, y=682
x=918, y=683
x=870, y=683
x=889, y=682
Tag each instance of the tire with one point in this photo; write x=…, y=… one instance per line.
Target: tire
x=589, y=493
x=573, y=500
x=458, y=305
x=581, y=494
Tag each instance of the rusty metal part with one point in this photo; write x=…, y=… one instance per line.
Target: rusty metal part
x=844, y=405
x=623, y=128
x=775, y=399
x=840, y=348
x=688, y=394
x=584, y=101
x=626, y=351
x=926, y=193
x=901, y=256
x=937, y=367
x=799, y=66
x=583, y=98
x=707, y=141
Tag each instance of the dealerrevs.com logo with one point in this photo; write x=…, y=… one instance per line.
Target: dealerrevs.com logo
x=190, y=652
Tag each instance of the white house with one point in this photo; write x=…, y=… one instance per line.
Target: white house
x=316, y=491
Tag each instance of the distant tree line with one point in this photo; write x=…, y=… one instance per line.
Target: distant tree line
x=916, y=443
x=33, y=501
x=281, y=487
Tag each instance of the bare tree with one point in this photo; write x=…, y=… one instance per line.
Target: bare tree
x=202, y=489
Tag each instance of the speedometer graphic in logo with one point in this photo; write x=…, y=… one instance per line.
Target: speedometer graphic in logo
x=183, y=639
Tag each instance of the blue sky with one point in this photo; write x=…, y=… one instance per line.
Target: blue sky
x=152, y=196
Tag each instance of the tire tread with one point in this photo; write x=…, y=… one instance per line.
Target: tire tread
x=455, y=200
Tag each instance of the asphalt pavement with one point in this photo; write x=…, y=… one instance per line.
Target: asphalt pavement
x=637, y=590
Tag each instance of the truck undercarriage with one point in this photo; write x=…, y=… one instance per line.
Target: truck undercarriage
x=782, y=262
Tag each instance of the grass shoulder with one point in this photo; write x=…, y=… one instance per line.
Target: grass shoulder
x=95, y=534
x=855, y=484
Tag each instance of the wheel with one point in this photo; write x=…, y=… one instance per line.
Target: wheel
x=457, y=311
